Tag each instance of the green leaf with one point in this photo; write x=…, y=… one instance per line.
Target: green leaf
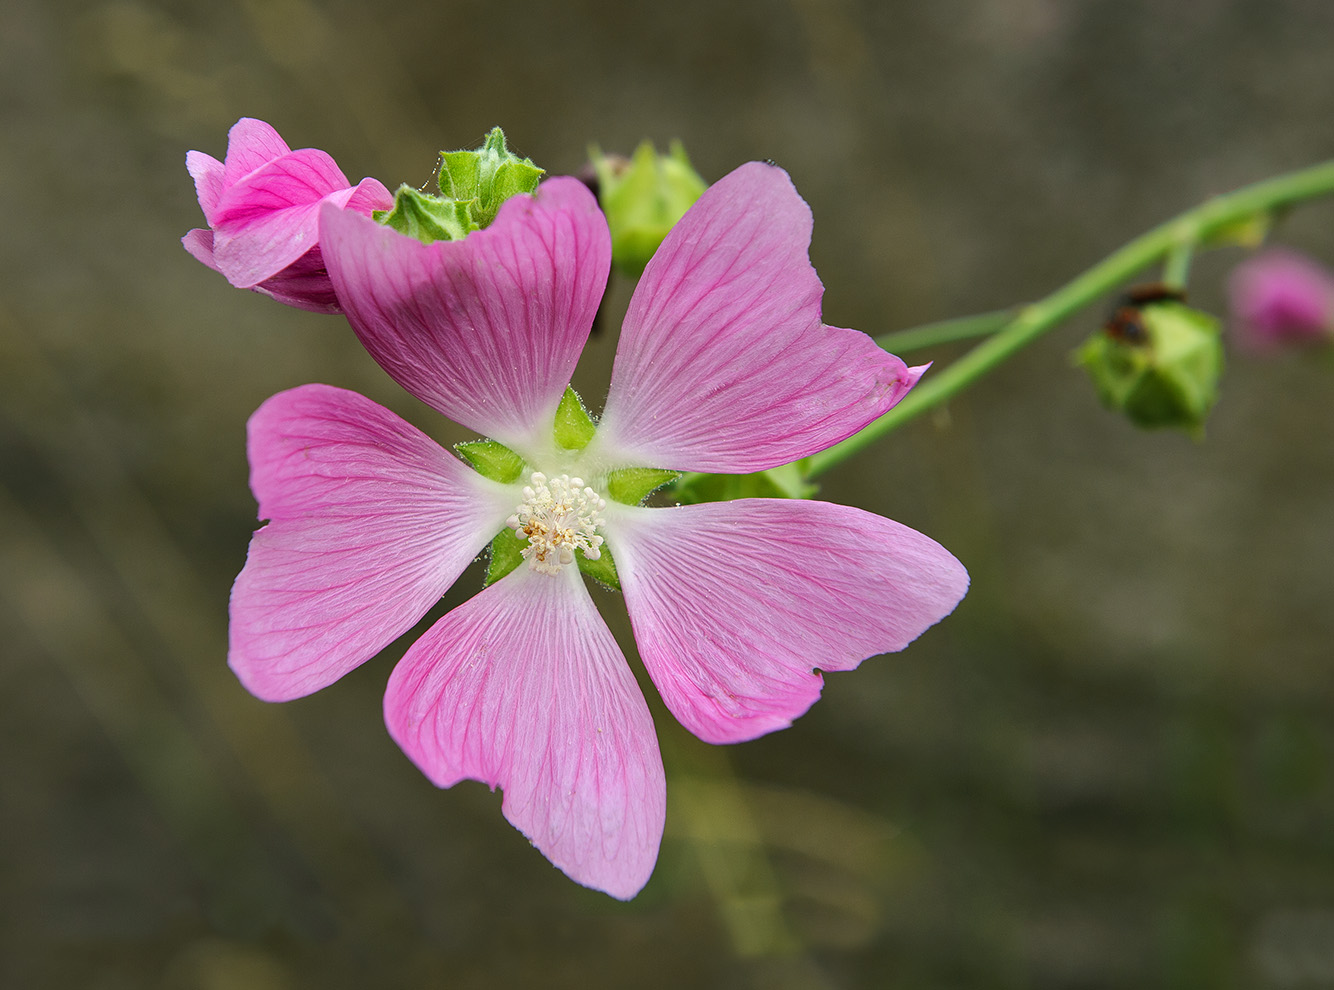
x=602, y=570
x=785, y=481
x=506, y=554
x=492, y=460
x=574, y=427
x=632, y=485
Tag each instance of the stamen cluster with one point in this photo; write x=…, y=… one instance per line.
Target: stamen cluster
x=558, y=516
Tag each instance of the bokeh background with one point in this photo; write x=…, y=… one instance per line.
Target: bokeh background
x=1112, y=767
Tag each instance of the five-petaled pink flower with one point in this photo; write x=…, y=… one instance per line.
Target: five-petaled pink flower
x=263, y=205
x=723, y=365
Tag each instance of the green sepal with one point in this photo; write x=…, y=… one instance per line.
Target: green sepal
x=574, y=427
x=427, y=218
x=492, y=460
x=473, y=185
x=784, y=481
x=486, y=177
x=506, y=554
x=1163, y=374
x=602, y=570
x=631, y=486
x=643, y=197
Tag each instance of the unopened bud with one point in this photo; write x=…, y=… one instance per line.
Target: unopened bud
x=643, y=197
x=1158, y=362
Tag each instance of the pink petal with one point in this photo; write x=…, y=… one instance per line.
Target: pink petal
x=724, y=363
x=486, y=330
x=735, y=604
x=304, y=284
x=524, y=688
x=251, y=144
x=270, y=218
x=199, y=243
x=369, y=522
x=207, y=173
x=367, y=196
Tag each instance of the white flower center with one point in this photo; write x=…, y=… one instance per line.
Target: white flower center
x=558, y=516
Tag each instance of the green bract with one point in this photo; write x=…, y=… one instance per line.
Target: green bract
x=643, y=197
x=1159, y=364
x=473, y=185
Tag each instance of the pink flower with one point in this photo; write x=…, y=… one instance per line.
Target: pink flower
x=1280, y=297
x=723, y=364
x=262, y=206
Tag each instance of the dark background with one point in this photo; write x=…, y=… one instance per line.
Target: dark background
x=1110, y=768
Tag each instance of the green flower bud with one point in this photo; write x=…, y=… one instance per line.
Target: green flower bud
x=473, y=185
x=1159, y=363
x=643, y=198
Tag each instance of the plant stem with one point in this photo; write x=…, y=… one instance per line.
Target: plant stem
x=945, y=331
x=1250, y=207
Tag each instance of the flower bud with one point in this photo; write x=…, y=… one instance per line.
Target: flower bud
x=643, y=197
x=473, y=186
x=1281, y=298
x=1158, y=362
x=262, y=206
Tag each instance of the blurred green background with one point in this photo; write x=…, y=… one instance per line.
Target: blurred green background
x=1112, y=767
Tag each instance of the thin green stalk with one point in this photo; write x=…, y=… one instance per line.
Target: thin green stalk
x=1176, y=269
x=1214, y=221
x=945, y=331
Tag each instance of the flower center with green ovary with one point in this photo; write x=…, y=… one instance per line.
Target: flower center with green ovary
x=558, y=516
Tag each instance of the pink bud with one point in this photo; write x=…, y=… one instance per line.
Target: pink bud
x=1281, y=298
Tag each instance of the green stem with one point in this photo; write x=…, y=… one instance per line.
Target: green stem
x=1176, y=269
x=945, y=331
x=1198, y=226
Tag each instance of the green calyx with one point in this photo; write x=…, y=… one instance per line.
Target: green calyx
x=574, y=427
x=1159, y=364
x=473, y=186
x=492, y=460
x=643, y=197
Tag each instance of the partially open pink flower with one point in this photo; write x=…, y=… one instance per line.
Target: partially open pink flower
x=724, y=364
x=1280, y=297
x=263, y=211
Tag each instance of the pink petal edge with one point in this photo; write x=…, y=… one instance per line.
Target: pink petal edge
x=370, y=521
x=524, y=688
x=270, y=218
x=724, y=363
x=251, y=143
x=486, y=330
x=737, y=606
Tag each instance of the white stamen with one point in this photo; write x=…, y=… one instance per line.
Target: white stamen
x=558, y=516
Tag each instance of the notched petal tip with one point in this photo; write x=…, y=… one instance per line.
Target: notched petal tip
x=524, y=688
x=738, y=606
x=725, y=364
